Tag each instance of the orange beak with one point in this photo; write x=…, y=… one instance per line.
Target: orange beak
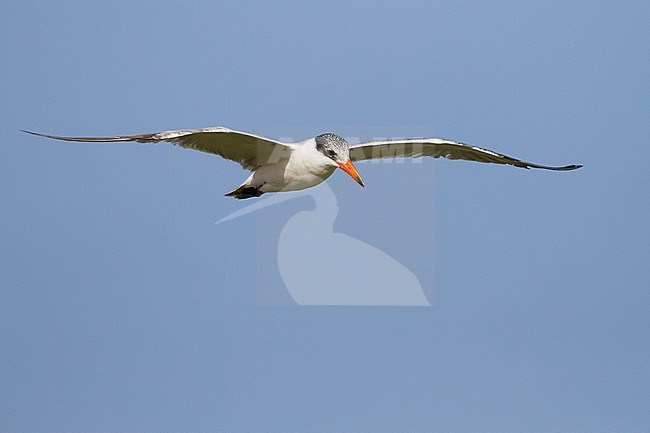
x=352, y=171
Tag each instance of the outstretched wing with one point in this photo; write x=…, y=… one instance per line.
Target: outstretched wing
x=249, y=150
x=437, y=148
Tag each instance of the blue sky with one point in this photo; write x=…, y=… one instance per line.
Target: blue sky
x=125, y=308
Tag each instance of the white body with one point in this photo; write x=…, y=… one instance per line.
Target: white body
x=306, y=167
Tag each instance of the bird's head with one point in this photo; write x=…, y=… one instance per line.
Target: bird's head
x=337, y=150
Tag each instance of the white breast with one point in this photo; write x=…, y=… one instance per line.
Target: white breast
x=305, y=168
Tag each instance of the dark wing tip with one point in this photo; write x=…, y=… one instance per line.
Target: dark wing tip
x=142, y=138
x=568, y=167
x=55, y=137
x=32, y=132
x=58, y=137
x=546, y=167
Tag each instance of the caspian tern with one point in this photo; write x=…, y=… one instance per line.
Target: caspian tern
x=278, y=166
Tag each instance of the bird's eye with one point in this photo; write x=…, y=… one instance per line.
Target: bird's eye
x=331, y=153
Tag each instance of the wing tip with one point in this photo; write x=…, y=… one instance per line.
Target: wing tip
x=32, y=133
x=569, y=167
x=55, y=137
x=563, y=168
x=140, y=138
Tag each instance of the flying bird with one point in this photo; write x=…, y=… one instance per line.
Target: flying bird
x=276, y=166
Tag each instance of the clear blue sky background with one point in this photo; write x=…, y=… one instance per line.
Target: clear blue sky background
x=123, y=307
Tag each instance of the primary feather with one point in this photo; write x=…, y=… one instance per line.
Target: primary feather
x=438, y=148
